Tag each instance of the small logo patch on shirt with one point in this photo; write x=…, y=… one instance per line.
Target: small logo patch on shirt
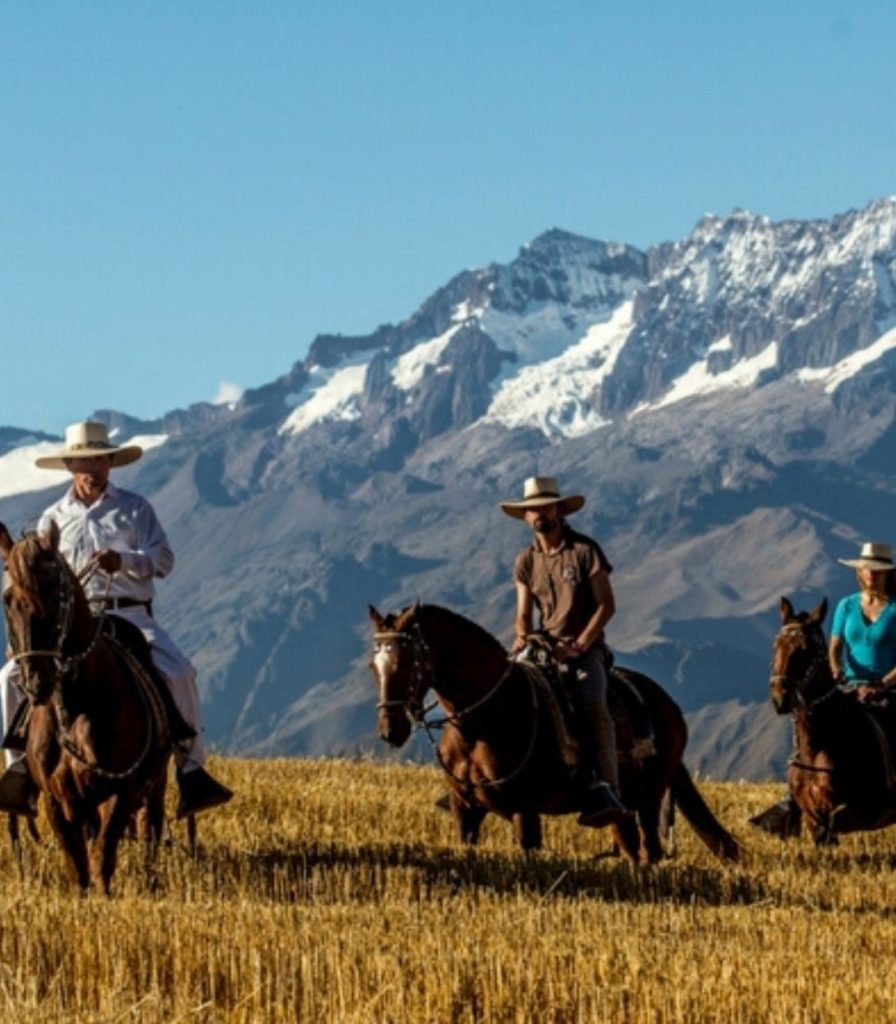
x=570, y=574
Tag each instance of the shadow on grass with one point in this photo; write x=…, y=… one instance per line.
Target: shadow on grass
x=373, y=872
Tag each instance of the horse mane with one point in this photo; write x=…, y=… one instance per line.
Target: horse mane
x=21, y=575
x=423, y=612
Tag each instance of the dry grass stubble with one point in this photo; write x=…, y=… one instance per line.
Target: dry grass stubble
x=334, y=891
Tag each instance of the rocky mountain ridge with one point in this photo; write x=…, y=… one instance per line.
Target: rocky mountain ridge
x=727, y=404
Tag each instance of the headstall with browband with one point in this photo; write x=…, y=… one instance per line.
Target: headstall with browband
x=818, y=661
x=65, y=663
x=416, y=712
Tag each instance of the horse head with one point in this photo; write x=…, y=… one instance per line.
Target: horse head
x=38, y=601
x=400, y=665
x=800, y=670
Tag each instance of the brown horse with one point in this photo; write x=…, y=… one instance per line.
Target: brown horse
x=841, y=774
x=499, y=749
x=98, y=739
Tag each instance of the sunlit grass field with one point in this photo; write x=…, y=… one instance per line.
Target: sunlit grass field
x=335, y=891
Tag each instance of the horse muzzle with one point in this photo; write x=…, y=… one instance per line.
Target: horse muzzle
x=394, y=725
x=781, y=696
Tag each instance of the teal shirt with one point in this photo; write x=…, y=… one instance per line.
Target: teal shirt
x=869, y=648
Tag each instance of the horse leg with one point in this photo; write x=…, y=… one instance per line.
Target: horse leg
x=650, y=797
x=628, y=838
x=191, y=834
x=649, y=818
x=151, y=825
x=114, y=816
x=74, y=844
x=469, y=818
x=667, y=821
x=527, y=830
x=12, y=824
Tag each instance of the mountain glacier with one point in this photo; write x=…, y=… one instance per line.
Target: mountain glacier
x=726, y=403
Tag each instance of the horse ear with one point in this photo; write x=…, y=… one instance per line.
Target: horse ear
x=375, y=617
x=787, y=612
x=6, y=541
x=49, y=541
x=820, y=612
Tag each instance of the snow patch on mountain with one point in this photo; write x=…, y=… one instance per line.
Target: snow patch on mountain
x=410, y=367
x=331, y=395
x=558, y=395
x=833, y=376
x=699, y=380
x=19, y=475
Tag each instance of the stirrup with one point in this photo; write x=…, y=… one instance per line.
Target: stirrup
x=605, y=808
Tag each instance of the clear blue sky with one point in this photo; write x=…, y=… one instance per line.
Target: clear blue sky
x=190, y=190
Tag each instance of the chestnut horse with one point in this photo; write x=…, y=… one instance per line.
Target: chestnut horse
x=499, y=749
x=98, y=739
x=841, y=774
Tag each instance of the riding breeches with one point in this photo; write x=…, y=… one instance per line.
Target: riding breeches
x=174, y=667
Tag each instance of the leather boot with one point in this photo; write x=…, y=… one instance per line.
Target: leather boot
x=601, y=805
x=783, y=819
x=18, y=794
x=199, y=792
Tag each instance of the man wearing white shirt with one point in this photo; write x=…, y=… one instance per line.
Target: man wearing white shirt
x=113, y=540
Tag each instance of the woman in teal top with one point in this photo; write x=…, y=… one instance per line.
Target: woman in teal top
x=862, y=650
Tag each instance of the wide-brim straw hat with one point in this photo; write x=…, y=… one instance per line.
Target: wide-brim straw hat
x=542, y=490
x=84, y=441
x=872, y=556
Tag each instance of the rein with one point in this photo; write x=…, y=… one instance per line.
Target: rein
x=68, y=663
x=65, y=663
x=817, y=664
x=416, y=712
x=151, y=703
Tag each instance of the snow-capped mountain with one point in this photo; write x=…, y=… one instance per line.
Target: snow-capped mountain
x=726, y=402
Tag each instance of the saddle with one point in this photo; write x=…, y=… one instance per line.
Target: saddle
x=880, y=714
x=129, y=637
x=634, y=729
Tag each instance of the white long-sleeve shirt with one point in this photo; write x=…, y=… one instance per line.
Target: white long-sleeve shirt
x=121, y=521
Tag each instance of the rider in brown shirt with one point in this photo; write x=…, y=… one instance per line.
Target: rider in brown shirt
x=566, y=577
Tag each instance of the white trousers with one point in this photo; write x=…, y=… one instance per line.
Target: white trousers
x=174, y=667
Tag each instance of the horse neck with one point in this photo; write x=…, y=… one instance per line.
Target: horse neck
x=84, y=625
x=820, y=685
x=823, y=725
x=466, y=662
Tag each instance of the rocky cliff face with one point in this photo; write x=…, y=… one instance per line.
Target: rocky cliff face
x=727, y=403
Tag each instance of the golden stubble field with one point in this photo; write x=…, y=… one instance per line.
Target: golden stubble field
x=335, y=891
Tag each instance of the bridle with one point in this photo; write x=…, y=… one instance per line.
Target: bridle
x=421, y=670
x=68, y=664
x=423, y=675
x=64, y=664
x=818, y=663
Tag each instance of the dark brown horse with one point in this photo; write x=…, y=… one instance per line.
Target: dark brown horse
x=98, y=740
x=499, y=749
x=841, y=774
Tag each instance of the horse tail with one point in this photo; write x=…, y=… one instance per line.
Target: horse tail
x=701, y=818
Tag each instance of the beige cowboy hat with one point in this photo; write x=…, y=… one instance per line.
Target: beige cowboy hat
x=84, y=441
x=872, y=556
x=542, y=490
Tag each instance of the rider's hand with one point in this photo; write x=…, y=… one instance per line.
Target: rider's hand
x=107, y=560
x=867, y=691
x=564, y=651
x=518, y=644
